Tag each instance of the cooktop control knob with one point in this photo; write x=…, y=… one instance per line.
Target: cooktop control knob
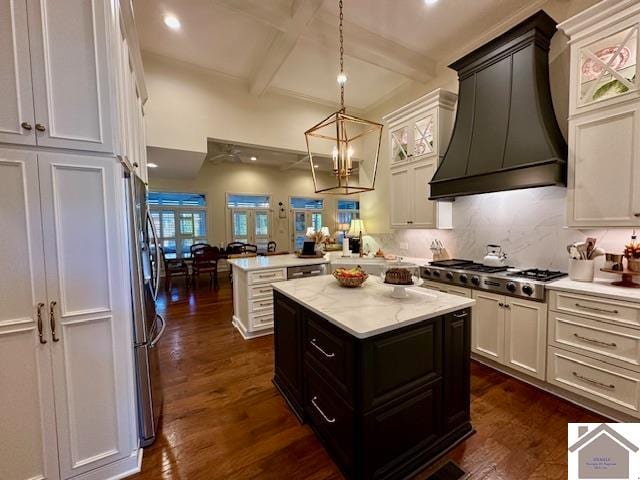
x=511, y=287
x=435, y=273
x=527, y=289
x=450, y=275
x=426, y=272
x=475, y=280
x=463, y=278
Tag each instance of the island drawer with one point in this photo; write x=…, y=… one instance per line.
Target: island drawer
x=261, y=319
x=267, y=276
x=332, y=418
x=331, y=351
x=616, y=387
x=607, y=341
x=261, y=304
x=596, y=307
x=264, y=290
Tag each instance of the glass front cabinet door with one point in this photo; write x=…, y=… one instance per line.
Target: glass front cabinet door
x=607, y=66
x=400, y=144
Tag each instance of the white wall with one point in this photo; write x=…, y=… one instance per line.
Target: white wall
x=216, y=180
x=188, y=104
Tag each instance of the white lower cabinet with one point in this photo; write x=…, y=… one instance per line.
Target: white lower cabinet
x=65, y=342
x=510, y=331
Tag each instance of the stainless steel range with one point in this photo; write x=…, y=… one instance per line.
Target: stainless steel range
x=466, y=273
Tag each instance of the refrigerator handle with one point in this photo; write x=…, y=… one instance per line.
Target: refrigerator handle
x=159, y=335
x=156, y=284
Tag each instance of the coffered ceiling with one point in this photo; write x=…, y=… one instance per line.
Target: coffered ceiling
x=291, y=46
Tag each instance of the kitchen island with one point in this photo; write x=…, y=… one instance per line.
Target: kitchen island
x=252, y=294
x=383, y=382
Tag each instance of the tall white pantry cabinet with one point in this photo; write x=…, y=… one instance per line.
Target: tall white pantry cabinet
x=71, y=111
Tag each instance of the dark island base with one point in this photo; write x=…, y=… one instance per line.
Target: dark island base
x=384, y=407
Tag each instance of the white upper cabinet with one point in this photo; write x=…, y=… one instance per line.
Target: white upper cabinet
x=70, y=72
x=17, y=120
x=418, y=135
x=604, y=123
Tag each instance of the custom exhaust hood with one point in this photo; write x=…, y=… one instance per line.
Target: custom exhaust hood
x=506, y=136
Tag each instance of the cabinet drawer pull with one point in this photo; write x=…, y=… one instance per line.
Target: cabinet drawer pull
x=593, y=340
x=52, y=319
x=26, y=125
x=501, y=305
x=596, y=309
x=594, y=382
x=319, y=348
x=409, y=221
x=636, y=214
x=329, y=420
x=270, y=275
x=461, y=315
x=40, y=333
x=40, y=127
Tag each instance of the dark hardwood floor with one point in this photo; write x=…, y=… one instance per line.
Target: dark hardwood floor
x=223, y=419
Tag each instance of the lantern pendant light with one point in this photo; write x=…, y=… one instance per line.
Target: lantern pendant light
x=350, y=144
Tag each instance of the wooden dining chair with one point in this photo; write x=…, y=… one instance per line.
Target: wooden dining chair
x=205, y=260
x=174, y=268
x=234, y=248
x=249, y=248
x=198, y=246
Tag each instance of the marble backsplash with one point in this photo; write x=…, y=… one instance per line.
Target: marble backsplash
x=528, y=224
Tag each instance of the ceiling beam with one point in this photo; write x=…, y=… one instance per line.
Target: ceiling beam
x=360, y=43
x=283, y=45
x=371, y=48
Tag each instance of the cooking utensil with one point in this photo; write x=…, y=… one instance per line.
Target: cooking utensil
x=597, y=252
x=591, y=244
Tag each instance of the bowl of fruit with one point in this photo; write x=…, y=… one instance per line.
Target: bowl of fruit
x=350, y=277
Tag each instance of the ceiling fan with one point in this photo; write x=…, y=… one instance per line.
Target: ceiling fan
x=230, y=153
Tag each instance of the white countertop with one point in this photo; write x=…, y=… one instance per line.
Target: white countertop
x=369, y=310
x=599, y=287
x=338, y=259
x=274, y=261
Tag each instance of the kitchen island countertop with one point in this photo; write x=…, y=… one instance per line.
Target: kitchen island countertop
x=274, y=261
x=369, y=310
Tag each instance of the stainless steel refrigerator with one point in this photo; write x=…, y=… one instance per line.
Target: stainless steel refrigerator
x=148, y=325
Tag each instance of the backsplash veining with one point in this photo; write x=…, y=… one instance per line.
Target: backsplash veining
x=528, y=224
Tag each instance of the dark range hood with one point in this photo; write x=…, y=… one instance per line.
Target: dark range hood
x=506, y=136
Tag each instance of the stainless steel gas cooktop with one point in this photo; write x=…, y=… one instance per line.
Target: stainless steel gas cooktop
x=466, y=273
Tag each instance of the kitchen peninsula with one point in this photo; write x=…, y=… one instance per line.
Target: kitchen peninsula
x=383, y=382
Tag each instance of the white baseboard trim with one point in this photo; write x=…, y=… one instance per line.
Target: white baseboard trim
x=558, y=392
x=115, y=471
x=247, y=335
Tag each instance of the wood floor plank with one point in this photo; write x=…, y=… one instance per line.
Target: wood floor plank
x=223, y=418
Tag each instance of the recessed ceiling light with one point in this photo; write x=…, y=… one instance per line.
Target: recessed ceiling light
x=430, y=2
x=152, y=165
x=172, y=22
x=315, y=166
x=253, y=159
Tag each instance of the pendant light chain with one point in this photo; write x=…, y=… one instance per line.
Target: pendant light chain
x=341, y=56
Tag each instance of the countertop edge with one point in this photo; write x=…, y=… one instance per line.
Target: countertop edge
x=586, y=290
x=363, y=335
x=303, y=262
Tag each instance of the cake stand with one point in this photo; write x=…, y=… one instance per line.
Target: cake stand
x=400, y=291
x=627, y=278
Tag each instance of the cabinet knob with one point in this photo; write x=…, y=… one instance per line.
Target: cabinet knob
x=26, y=125
x=40, y=127
x=409, y=221
x=135, y=165
x=636, y=214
